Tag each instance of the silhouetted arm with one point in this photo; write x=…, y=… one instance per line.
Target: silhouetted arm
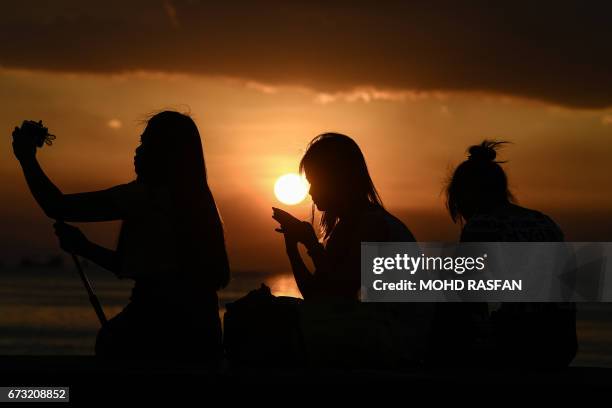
x=295, y=231
x=72, y=240
x=303, y=276
x=309, y=283
x=326, y=280
x=341, y=277
x=106, y=258
x=46, y=194
x=80, y=207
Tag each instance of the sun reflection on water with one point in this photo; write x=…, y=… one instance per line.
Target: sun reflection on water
x=283, y=285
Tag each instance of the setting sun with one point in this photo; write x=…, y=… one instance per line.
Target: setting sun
x=291, y=188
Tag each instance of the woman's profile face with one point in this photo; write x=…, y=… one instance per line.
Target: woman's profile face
x=140, y=155
x=321, y=191
x=138, y=159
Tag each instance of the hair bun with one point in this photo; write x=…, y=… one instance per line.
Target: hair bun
x=486, y=151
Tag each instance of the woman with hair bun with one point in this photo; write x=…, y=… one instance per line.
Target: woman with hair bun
x=478, y=197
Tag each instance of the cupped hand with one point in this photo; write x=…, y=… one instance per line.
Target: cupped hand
x=71, y=238
x=294, y=229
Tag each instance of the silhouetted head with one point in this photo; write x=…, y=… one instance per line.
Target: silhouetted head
x=170, y=151
x=479, y=184
x=171, y=155
x=339, y=179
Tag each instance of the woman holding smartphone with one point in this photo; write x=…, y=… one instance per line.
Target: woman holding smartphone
x=351, y=212
x=388, y=334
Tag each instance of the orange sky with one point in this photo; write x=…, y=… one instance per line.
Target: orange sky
x=253, y=133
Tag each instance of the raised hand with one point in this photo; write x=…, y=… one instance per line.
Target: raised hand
x=24, y=145
x=30, y=135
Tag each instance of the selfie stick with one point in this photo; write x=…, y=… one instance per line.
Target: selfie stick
x=93, y=299
x=95, y=302
x=42, y=137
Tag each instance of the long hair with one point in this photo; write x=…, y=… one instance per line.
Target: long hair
x=342, y=166
x=478, y=184
x=175, y=158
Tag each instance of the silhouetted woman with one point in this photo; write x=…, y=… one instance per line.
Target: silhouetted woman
x=351, y=212
x=171, y=243
x=525, y=334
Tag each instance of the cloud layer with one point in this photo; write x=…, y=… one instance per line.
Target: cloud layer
x=555, y=52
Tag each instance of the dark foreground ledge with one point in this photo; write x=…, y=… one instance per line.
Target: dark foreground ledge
x=92, y=379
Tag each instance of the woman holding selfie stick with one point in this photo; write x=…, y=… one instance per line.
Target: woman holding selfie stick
x=171, y=243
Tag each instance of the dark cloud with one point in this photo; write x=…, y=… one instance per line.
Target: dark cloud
x=557, y=52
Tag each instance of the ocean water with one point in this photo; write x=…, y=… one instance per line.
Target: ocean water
x=45, y=311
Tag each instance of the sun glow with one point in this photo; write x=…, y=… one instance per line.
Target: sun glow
x=291, y=189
